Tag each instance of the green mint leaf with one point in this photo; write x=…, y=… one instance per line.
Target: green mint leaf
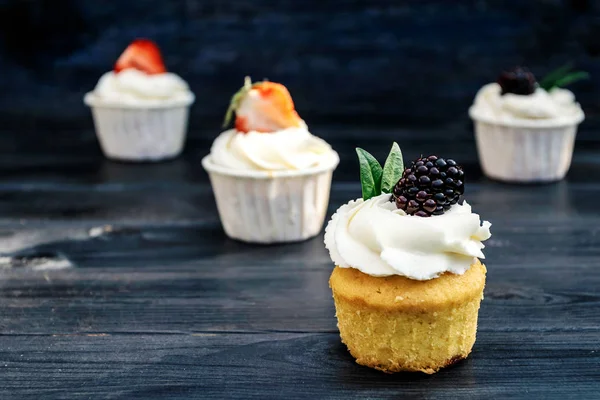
x=235, y=101
x=548, y=82
x=571, y=78
x=392, y=169
x=370, y=174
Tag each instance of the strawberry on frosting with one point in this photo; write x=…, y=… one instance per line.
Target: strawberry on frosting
x=262, y=107
x=143, y=55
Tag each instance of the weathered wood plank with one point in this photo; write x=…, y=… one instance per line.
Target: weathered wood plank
x=158, y=303
x=277, y=365
x=72, y=160
x=164, y=203
x=221, y=297
x=543, y=276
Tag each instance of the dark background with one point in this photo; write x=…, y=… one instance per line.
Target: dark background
x=407, y=70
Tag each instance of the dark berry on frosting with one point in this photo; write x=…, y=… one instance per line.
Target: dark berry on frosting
x=518, y=80
x=430, y=186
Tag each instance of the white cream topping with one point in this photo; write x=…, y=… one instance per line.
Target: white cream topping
x=288, y=149
x=558, y=104
x=133, y=87
x=379, y=239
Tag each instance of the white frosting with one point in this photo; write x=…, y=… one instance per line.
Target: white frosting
x=135, y=88
x=379, y=239
x=288, y=149
x=558, y=104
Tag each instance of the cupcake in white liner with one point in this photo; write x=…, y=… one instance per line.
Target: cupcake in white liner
x=525, y=132
x=140, y=110
x=271, y=177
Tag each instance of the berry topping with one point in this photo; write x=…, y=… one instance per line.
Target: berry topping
x=143, y=55
x=262, y=107
x=517, y=81
x=429, y=186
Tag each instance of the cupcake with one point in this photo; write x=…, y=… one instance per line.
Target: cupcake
x=271, y=177
x=140, y=110
x=408, y=281
x=525, y=131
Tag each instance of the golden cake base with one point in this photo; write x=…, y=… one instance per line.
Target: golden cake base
x=398, y=324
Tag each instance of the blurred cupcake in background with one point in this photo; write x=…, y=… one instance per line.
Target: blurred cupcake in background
x=525, y=131
x=271, y=177
x=140, y=110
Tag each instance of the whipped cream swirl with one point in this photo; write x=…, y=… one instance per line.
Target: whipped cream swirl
x=379, y=239
x=131, y=87
x=288, y=149
x=558, y=105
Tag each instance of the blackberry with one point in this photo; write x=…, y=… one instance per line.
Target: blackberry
x=429, y=186
x=517, y=81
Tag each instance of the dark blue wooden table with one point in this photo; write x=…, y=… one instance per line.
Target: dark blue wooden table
x=116, y=281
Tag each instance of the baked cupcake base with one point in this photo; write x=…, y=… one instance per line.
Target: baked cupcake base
x=398, y=324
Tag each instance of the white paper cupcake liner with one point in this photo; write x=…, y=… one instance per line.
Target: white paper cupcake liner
x=513, y=153
x=271, y=206
x=138, y=133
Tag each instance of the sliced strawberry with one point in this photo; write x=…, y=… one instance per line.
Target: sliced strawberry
x=262, y=107
x=241, y=124
x=143, y=55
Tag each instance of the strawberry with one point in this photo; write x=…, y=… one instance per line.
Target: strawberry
x=143, y=55
x=262, y=107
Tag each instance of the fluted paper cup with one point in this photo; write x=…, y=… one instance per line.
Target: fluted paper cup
x=140, y=133
x=271, y=206
x=525, y=151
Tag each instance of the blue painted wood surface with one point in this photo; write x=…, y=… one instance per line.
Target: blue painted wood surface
x=116, y=281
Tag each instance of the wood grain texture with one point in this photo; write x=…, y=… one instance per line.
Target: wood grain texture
x=158, y=303
x=61, y=159
x=277, y=365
